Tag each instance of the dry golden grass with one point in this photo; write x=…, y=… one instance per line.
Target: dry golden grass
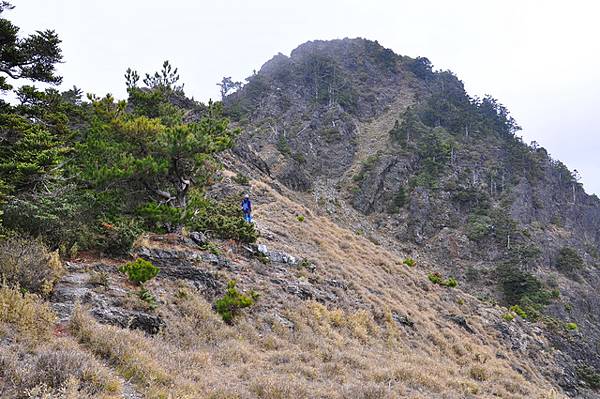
x=35, y=362
x=330, y=353
x=286, y=347
x=27, y=313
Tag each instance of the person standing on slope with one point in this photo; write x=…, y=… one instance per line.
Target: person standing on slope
x=247, y=208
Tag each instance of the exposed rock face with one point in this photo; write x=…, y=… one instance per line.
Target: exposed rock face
x=303, y=109
x=183, y=265
x=105, y=304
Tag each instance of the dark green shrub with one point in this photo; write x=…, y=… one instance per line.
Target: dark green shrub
x=223, y=219
x=117, y=235
x=139, y=271
x=589, y=375
x=233, y=300
x=299, y=157
x=283, y=146
x=161, y=218
x=524, y=289
x=479, y=227
x=241, y=179
x=568, y=260
x=300, y=218
x=399, y=200
x=59, y=216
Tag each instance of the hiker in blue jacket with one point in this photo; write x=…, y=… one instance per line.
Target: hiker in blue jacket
x=247, y=208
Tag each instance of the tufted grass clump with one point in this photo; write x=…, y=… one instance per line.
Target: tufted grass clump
x=233, y=301
x=139, y=271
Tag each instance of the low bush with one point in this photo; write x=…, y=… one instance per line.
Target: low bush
x=571, y=326
x=509, y=316
x=300, y=218
x=451, y=282
x=410, y=262
x=589, y=375
x=306, y=264
x=223, y=219
x=568, y=260
x=117, y=235
x=139, y=271
x=211, y=247
x=437, y=278
x=366, y=166
x=241, y=179
x=147, y=297
x=27, y=263
x=518, y=311
x=233, y=300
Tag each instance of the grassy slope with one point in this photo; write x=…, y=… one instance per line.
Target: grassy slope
x=348, y=348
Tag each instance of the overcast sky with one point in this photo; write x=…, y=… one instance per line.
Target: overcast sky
x=539, y=58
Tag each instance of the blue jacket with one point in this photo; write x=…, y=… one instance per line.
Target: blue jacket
x=246, y=205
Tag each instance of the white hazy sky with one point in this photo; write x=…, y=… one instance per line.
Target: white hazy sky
x=539, y=58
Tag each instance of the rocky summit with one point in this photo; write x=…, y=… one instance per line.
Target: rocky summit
x=405, y=242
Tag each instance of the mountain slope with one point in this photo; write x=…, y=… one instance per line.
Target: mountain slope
x=409, y=158
x=357, y=322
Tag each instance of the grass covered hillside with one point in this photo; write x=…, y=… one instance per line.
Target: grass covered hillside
x=345, y=318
